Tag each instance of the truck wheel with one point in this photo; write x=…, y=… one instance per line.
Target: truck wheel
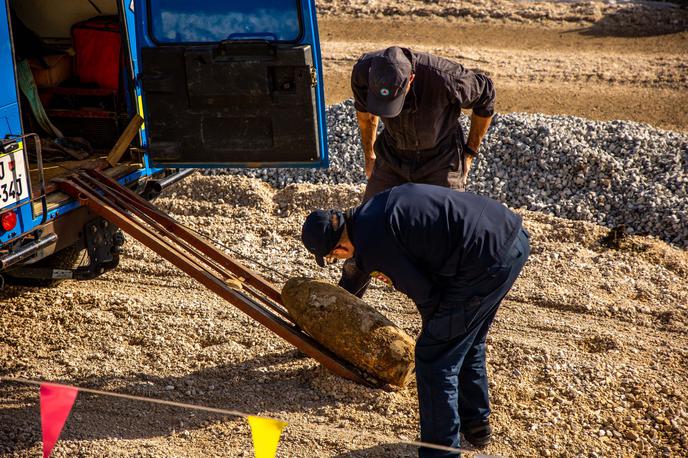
x=67, y=258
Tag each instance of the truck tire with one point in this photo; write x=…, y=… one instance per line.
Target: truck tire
x=67, y=258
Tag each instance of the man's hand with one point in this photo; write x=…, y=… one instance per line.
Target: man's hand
x=468, y=161
x=368, y=124
x=468, y=156
x=381, y=277
x=369, y=164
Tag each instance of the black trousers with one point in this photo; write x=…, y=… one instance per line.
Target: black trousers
x=451, y=370
x=385, y=177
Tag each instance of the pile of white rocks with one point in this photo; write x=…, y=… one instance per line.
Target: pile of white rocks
x=610, y=173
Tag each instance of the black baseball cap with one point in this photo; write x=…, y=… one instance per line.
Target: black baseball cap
x=387, y=79
x=319, y=235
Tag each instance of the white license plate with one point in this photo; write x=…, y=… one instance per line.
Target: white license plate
x=14, y=178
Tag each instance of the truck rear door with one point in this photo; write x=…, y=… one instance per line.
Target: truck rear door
x=231, y=83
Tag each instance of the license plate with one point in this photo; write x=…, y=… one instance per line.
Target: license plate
x=14, y=179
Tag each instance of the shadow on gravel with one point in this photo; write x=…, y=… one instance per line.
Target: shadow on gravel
x=20, y=419
x=264, y=384
x=640, y=21
x=11, y=291
x=383, y=451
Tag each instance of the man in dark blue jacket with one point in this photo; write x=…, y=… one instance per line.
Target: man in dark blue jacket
x=456, y=255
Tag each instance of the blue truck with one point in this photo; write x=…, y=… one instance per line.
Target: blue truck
x=218, y=84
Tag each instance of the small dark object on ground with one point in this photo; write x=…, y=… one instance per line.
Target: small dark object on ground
x=614, y=237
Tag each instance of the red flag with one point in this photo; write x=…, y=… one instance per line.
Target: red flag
x=56, y=403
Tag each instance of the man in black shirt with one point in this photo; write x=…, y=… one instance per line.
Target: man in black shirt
x=456, y=255
x=419, y=97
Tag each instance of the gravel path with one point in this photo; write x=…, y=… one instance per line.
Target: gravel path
x=665, y=68
x=610, y=173
x=627, y=18
x=587, y=355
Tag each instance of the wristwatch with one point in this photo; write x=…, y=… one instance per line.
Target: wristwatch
x=467, y=149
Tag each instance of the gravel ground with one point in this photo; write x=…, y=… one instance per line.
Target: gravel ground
x=587, y=356
x=627, y=18
x=610, y=173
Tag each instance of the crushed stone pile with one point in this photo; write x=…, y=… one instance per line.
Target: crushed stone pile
x=606, y=172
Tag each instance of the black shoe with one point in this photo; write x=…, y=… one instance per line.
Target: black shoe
x=479, y=433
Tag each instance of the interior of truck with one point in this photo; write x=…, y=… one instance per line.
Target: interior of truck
x=225, y=84
x=72, y=78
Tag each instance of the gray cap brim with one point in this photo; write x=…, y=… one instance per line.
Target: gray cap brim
x=385, y=108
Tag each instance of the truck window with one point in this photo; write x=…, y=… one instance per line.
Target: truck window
x=208, y=21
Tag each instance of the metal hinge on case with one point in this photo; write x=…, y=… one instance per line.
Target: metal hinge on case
x=314, y=77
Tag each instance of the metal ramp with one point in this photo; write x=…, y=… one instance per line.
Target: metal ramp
x=211, y=267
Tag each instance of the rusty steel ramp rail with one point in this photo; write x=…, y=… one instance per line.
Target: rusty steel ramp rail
x=211, y=267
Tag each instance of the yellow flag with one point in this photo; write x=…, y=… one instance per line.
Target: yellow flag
x=266, y=434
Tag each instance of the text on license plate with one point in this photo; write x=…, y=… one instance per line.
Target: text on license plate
x=14, y=179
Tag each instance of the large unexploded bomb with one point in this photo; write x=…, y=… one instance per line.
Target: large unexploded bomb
x=351, y=328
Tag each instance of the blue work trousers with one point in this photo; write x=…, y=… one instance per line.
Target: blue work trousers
x=451, y=371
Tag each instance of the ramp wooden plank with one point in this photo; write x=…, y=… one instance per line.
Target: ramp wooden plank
x=125, y=140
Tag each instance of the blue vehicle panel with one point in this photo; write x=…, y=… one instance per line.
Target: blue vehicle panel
x=10, y=121
x=130, y=33
x=10, y=125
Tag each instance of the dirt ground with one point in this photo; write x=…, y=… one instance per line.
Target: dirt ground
x=588, y=355
x=537, y=69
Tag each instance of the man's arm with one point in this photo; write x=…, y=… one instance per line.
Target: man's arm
x=479, y=126
x=475, y=91
x=407, y=278
x=368, y=124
